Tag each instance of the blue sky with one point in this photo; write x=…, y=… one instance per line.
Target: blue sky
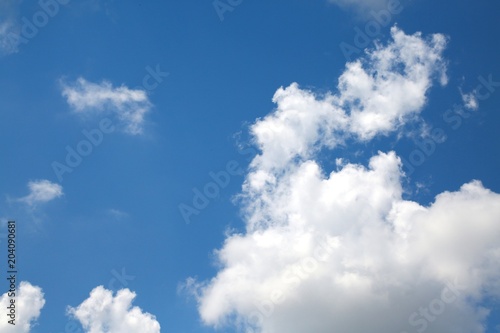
x=388, y=156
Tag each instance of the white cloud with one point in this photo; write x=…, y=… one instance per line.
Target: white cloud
x=470, y=100
x=389, y=257
x=376, y=95
x=344, y=251
x=7, y=43
x=42, y=191
x=362, y=6
x=9, y=26
x=29, y=300
x=117, y=214
x=104, y=313
x=128, y=105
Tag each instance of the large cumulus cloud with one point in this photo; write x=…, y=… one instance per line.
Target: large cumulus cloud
x=344, y=251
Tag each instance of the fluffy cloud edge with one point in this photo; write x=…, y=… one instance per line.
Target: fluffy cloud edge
x=363, y=7
x=376, y=95
x=104, y=312
x=29, y=302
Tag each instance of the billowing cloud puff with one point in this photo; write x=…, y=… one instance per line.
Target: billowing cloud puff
x=128, y=105
x=344, y=251
x=104, y=313
x=376, y=95
x=28, y=301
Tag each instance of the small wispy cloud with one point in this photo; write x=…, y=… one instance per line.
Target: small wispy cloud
x=117, y=214
x=128, y=105
x=376, y=95
x=360, y=5
x=9, y=26
x=42, y=191
x=470, y=100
